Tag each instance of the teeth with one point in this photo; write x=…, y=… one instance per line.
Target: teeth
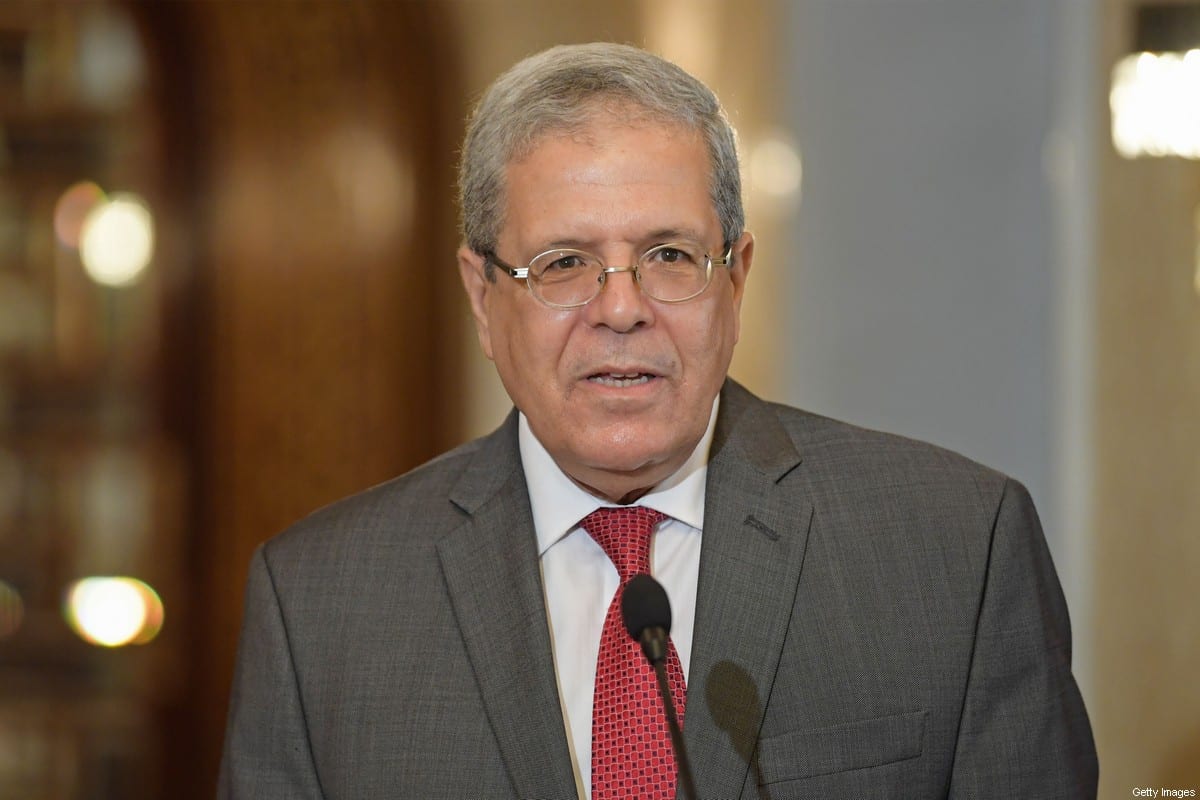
x=620, y=381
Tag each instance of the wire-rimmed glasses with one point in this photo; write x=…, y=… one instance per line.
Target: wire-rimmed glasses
x=674, y=272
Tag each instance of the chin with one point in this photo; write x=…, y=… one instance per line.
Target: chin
x=632, y=453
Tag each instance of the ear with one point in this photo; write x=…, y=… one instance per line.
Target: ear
x=470, y=268
x=743, y=258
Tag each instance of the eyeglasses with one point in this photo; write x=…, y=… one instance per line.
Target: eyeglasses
x=674, y=272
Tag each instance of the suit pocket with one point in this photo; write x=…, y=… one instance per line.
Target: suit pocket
x=853, y=745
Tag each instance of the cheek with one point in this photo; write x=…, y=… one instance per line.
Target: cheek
x=528, y=345
x=706, y=345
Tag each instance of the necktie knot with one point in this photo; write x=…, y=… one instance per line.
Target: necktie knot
x=624, y=534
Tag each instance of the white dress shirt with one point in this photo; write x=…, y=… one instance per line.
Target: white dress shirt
x=579, y=579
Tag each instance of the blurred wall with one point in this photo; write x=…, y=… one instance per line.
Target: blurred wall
x=310, y=170
x=923, y=290
x=1147, y=490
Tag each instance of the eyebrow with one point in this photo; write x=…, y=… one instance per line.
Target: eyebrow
x=647, y=241
x=675, y=234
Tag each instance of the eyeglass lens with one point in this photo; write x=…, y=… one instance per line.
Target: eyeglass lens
x=670, y=272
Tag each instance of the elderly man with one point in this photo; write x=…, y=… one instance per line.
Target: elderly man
x=856, y=615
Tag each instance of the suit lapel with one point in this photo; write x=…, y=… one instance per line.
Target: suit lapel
x=491, y=568
x=755, y=535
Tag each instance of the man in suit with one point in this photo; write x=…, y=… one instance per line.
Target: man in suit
x=856, y=615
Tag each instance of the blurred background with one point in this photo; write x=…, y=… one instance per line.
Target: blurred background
x=228, y=296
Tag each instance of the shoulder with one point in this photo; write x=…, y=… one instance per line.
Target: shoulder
x=400, y=518
x=882, y=499
x=835, y=446
x=862, y=472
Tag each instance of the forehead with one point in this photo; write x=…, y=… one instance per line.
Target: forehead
x=613, y=176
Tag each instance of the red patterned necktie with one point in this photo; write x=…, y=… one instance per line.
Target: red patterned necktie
x=631, y=744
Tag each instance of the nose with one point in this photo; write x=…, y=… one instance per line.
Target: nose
x=621, y=305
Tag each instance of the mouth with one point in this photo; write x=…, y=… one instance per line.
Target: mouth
x=620, y=380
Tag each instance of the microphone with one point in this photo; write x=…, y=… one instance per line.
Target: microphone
x=647, y=614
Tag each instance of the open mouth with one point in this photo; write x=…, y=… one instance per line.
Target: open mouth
x=620, y=380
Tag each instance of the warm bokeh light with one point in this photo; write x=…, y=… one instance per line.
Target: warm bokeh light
x=775, y=166
x=72, y=209
x=12, y=610
x=114, y=611
x=117, y=240
x=1155, y=102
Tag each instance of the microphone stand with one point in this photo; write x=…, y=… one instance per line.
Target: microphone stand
x=654, y=648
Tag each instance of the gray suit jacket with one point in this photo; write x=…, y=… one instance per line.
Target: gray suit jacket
x=876, y=618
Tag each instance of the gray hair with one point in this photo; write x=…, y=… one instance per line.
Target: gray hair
x=561, y=90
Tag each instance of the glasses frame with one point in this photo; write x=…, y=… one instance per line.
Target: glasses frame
x=522, y=273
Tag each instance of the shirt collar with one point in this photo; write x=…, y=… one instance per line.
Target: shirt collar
x=558, y=503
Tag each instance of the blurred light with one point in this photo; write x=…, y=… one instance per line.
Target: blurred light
x=117, y=240
x=1155, y=102
x=113, y=611
x=72, y=209
x=775, y=166
x=12, y=610
x=110, y=64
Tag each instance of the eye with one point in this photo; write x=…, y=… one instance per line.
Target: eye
x=561, y=265
x=566, y=263
x=675, y=255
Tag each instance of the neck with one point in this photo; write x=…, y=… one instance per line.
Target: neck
x=620, y=499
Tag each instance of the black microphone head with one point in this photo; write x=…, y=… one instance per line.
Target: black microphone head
x=645, y=605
